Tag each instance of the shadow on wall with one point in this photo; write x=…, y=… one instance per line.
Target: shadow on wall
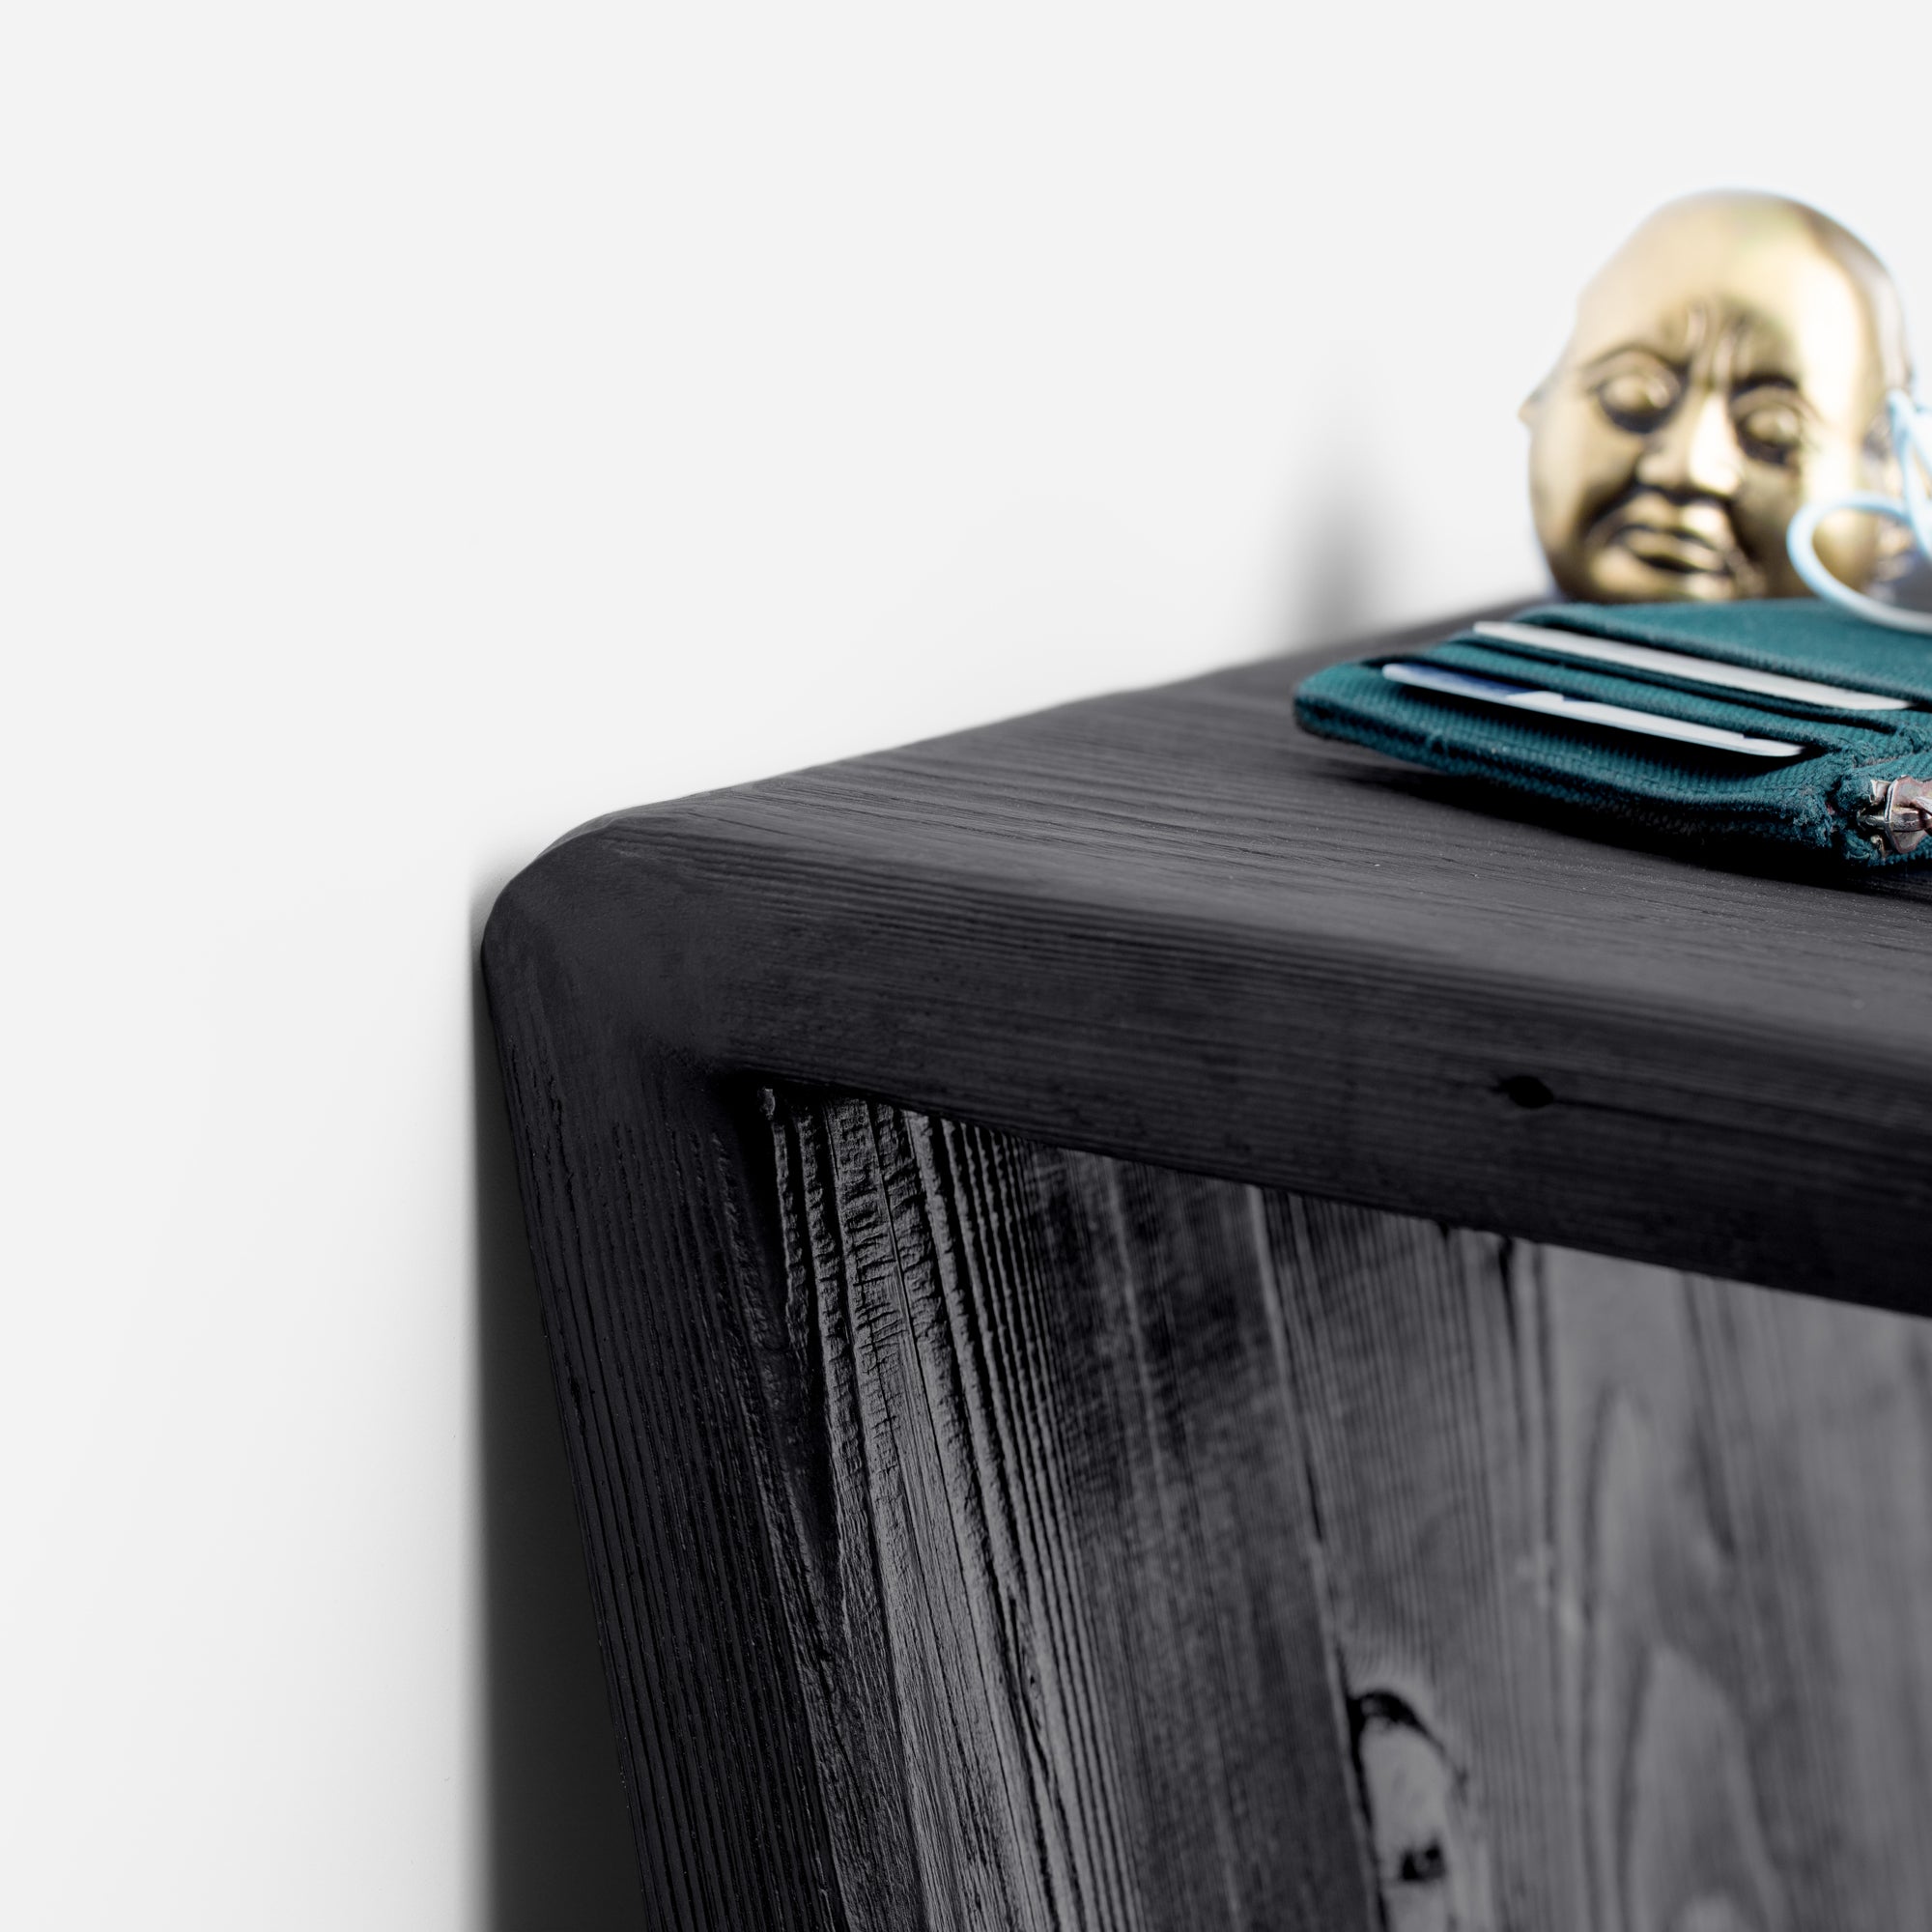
x=1330, y=563
x=559, y=1852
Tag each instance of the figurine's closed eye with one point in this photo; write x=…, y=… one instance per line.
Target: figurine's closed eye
x=1770, y=422
x=1639, y=393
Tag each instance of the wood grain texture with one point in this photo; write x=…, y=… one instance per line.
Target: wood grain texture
x=1235, y=1554
x=1171, y=927
x=993, y=1535
x=1062, y=1523
x=1647, y=1556
x=635, y=1191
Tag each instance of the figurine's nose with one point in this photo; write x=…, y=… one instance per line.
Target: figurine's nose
x=1696, y=449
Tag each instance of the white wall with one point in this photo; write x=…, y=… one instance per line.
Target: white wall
x=422, y=427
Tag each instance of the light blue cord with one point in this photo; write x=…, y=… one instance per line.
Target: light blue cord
x=1911, y=441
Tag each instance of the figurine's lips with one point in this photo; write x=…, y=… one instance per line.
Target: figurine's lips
x=1688, y=539
x=1677, y=550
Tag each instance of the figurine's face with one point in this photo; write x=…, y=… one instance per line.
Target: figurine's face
x=1728, y=365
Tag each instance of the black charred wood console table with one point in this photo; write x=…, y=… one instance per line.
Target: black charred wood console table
x=1148, y=1316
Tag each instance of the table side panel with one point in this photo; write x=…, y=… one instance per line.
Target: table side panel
x=1258, y=1541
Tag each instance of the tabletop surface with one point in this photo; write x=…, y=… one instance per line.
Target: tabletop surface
x=1170, y=926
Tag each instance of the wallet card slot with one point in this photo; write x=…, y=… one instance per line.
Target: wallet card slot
x=1694, y=669
x=1797, y=638
x=1469, y=716
x=1874, y=735
x=1556, y=670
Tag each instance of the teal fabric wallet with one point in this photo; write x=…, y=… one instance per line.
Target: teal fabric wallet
x=1854, y=789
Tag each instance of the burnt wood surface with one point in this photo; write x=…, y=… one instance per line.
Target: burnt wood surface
x=1238, y=1559
x=1169, y=925
x=1050, y=1449
x=987, y=1535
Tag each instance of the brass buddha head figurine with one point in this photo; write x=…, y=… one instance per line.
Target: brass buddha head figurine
x=1729, y=363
